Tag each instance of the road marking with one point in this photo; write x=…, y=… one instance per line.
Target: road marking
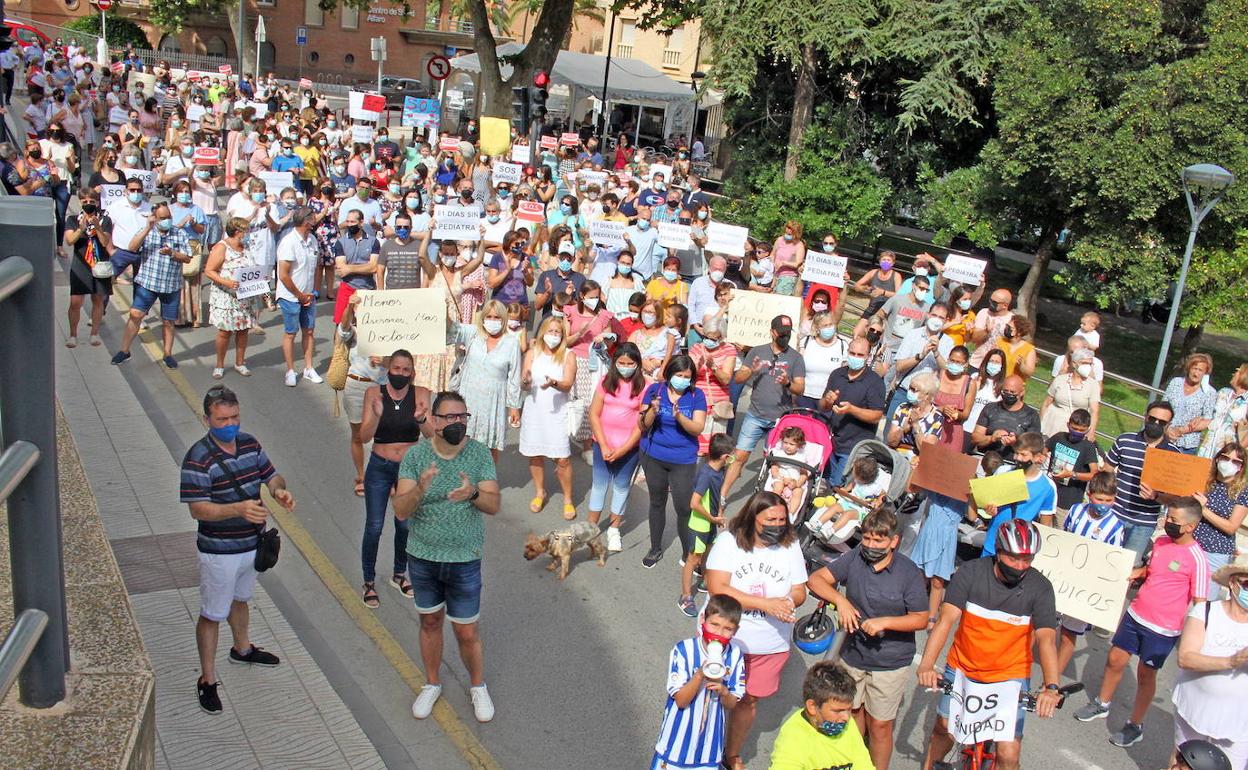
x=1078, y=761
x=473, y=751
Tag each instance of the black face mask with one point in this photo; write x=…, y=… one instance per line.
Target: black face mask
x=873, y=336
x=872, y=555
x=399, y=381
x=1009, y=399
x=1010, y=576
x=771, y=535
x=1173, y=531
x=353, y=229
x=454, y=433
x=782, y=339
x=1154, y=428
x=1008, y=333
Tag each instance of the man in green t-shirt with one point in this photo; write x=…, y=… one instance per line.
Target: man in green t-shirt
x=445, y=485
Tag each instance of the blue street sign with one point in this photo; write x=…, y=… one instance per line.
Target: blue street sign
x=301, y=36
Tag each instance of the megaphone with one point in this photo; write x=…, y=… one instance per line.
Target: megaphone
x=713, y=667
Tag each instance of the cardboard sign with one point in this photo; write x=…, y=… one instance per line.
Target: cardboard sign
x=531, y=211
x=944, y=471
x=585, y=178
x=252, y=281
x=118, y=116
x=964, y=270
x=983, y=712
x=148, y=178
x=261, y=108
x=414, y=319
x=1001, y=489
x=195, y=112
x=449, y=144
x=824, y=268
x=362, y=134
x=604, y=233
x=549, y=142
x=674, y=236
x=111, y=194
x=751, y=313
x=225, y=69
x=727, y=239
x=1174, y=473
x=356, y=109
x=457, y=223
x=507, y=173
x=660, y=168
x=420, y=113
x=522, y=154
x=1090, y=578
x=206, y=156
x=495, y=135
x=276, y=181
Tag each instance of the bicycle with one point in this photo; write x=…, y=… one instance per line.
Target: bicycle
x=983, y=755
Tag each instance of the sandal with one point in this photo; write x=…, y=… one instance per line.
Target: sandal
x=359, y=487
x=400, y=583
x=537, y=504
x=371, y=600
x=569, y=512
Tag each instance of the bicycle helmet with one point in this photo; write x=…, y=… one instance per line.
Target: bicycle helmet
x=814, y=633
x=1202, y=755
x=1018, y=537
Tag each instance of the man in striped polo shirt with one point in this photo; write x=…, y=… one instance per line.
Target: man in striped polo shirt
x=221, y=478
x=1135, y=504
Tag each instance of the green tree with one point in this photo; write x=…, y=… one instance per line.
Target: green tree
x=121, y=32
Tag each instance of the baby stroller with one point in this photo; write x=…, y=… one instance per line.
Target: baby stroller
x=821, y=551
x=819, y=448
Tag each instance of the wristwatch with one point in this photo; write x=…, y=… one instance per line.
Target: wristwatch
x=1051, y=686
x=476, y=492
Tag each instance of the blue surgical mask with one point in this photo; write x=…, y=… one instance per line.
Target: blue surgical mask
x=643, y=224
x=964, y=304
x=710, y=344
x=1241, y=597
x=955, y=370
x=394, y=189
x=827, y=333
x=565, y=208
x=855, y=363
x=702, y=214
x=626, y=371
x=439, y=199
x=413, y=203
x=565, y=266
x=184, y=197
x=1100, y=509
x=165, y=224
x=670, y=275
x=993, y=368
x=403, y=232
x=912, y=397
x=680, y=383
x=257, y=197
x=134, y=197
x=504, y=194
x=492, y=218
x=623, y=269
x=828, y=248
x=225, y=434
x=788, y=236
x=832, y=729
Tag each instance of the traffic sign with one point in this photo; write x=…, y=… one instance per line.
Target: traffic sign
x=439, y=68
x=301, y=36
x=104, y=5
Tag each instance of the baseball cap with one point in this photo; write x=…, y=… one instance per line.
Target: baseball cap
x=782, y=323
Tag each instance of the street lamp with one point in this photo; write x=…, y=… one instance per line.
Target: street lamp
x=1209, y=182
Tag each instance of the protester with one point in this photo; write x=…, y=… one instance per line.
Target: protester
x=1001, y=424
x=1073, y=459
x=1076, y=389
x=880, y=284
x=547, y=378
x=617, y=437
x=1094, y=520
x=1194, y=401
x=90, y=238
x=1015, y=342
x=823, y=352
x=163, y=249
x=854, y=400
x=1230, y=415
x=296, y=262
x=1136, y=504
x=818, y=734
x=990, y=325
x=233, y=317
x=1224, y=504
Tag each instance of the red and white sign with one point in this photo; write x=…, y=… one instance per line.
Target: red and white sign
x=117, y=66
x=104, y=5
x=449, y=144
x=373, y=102
x=207, y=156
x=225, y=69
x=305, y=83
x=531, y=211
x=549, y=142
x=569, y=139
x=439, y=68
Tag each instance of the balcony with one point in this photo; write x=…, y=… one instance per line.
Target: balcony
x=624, y=51
x=445, y=32
x=461, y=26
x=671, y=59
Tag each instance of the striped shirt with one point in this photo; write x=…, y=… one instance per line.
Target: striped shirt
x=693, y=737
x=204, y=480
x=1106, y=529
x=1127, y=455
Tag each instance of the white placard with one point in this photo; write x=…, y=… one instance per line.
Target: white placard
x=147, y=177
x=507, y=173
x=1089, y=578
x=983, y=712
x=194, y=112
x=457, y=223
x=585, y=178
x=362, y=134
x=252, y=281
x=751, y=313
x=604, y=233
x=111, y=194
x=659, y=168
x=674, y=236
x=824, y=268
x=355, y=107
x=276, y=181
x=966, y=270
x=521, y=153
x=118, y=116
x=413, y=319
x=726, y=239
x=261, y=108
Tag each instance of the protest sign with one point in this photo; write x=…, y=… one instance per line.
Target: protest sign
x=1174, y=473
x=252, y=281
x=520, y=154
x=225, y=69
x=751, y=313
x=963, y=269
x=362, y=134
x=674, y=236
x=983, y=711
x=1089, y=578
x=420, y=113
x=118, y=116
x=531, y=211
x=195, y=112
x=457, y=223
x=495, y=135
x=507, y=173
x=727, y=239
x=206, y=156
x=824, y=268
x=944, y=471
x=305, y=82
x=1001, y=489
x=111, y=194
x=604, y=233
x=549, y=142
x=569, y=139
x=147, y=177
x=373, y=103
x=356, y=109
x=660, y=168
x=449, y=144
x=586, y=178
x=261, y=108
x=276, y=181
x=413, y=319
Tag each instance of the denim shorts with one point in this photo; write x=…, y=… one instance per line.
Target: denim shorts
x=296, y=316
x=144, y=299
x=946, y=701
x=453, y=586
x=753, y=430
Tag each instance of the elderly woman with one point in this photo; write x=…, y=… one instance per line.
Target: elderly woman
x=1193, y=400
x=1076, y=389
x=489, y=377
x=1230, y=415
x=1223, y=507
x=918, y=420
x=1062, y=363
x=716, y=361
x=1015, y=342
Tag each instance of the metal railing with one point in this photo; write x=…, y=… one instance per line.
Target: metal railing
x=18, y=646
x=435, y=24
x=671, y=58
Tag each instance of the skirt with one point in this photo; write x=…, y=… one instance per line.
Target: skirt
x=937, y=544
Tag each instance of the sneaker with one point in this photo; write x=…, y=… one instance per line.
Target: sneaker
x=209, y=701
x=422, y=707
x=120, y=357
x=170, y=362
x=95, y=341
x=72, y=342
x=292, y=379
x=652, y=558
x=256, y=656
x=311, y=376
x=687, y=606
x=242, y=369
x=218, y=373
x=699, y=584
x=1129, y=735
x=813, y=524
x=1093, y=710
x=682, y=560
x=482, y=705
x=615, y=543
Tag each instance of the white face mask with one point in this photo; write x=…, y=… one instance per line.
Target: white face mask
x=591, y=303
x=648, y=319
x=553, y=340
x=1084, y=370
x=935, y=324
x=818, y=307
x=492, y=325
x=1228, y=468
x=716, y=276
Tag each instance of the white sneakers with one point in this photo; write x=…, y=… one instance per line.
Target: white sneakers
x=311, y=376
x=482, y=705
x=614, y=543
x=292, y=379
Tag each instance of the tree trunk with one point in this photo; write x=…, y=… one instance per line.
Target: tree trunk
x=247, y=36
x=1191, y=340
x=1029, y=294
x=552, y=26
x=803, y=108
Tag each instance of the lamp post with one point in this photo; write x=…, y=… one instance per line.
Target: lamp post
x=1209, y=182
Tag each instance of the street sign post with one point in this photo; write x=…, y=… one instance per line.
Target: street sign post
x=101, y=52
x=378, y=49
x=301, y=40
x=261, y=37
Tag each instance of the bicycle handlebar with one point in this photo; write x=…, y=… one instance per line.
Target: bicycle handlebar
x=1026, y=699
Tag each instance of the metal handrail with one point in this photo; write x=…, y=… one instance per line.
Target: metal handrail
x=15, y=465
x=18, y=645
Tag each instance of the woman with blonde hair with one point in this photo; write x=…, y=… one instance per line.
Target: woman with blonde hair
x=1230, y=415
x=917, y=421
x=489, y=377
x=546, y=379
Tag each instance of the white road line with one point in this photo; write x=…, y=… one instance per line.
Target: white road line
x=1078, y=761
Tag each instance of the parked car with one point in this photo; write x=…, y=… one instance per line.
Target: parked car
x=396, y=89
x=24, y=34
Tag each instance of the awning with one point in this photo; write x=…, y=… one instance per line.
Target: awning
x=631, y=80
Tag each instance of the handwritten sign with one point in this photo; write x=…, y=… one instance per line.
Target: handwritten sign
x=1001, y=489
x=1089, y=578
x=569, y=139
x=963, y=269
x=449, y=144
x=362, y=134
x=111, y=194
x=305, y=83
x=252, y=281
x=495, y=135
x=727, y=239
x=521, y=153
x=585, y=178
x=944, y=471
x=751, y=313
x=414, y=319
x=604, y=233
x=824, y=268
x=195, y=111
x=531, y=211
x=549, y=142
x=507, y=173
x=118, y=116
x=674, y=236
x=657, y=169
x=457, y=223
x=357, y=110
x=1175, y=473
x=207, y=156
x=983, y=711
x=147, y=177
x=276, y=181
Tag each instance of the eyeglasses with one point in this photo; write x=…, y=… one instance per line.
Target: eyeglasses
x=454, y=416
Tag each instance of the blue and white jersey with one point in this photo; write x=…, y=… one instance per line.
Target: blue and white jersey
x=693, y=737
x=1106, y=529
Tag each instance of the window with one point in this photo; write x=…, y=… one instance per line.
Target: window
x=266, y=3
x=314, y=57
x=313, y=16
x=348, y=61
x=674, y=47
x=268, y=57
x=216, y=46
x=169, y=44
x=350, y=17
x=628, y=33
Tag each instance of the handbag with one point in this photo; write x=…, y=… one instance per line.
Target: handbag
x=192, y=268
x=269, y=542
x=100, y=268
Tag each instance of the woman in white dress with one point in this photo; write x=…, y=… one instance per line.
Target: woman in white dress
x=546, y=379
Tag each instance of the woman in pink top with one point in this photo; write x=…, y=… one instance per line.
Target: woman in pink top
x=617, y=433
x=149, y=119
x=788, y=254
x=716, y=362
x=591, y=329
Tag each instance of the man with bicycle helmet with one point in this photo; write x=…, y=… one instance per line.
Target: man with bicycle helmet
x=1001, y=608
x=1199, y=754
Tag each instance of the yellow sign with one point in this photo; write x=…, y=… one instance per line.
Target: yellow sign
x=1089, y=577
x=1002, y=489
x=750, y=314
x=411, y=319
x=495, y=136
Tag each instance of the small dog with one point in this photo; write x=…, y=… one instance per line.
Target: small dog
x=560, y=546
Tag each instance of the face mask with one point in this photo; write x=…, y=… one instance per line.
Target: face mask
x=935, y=324
x=920, y=295
x=680, y=383
x=187, y=150
x=203, y=175
x=623, y=269
x=912, y=397
x=673, y=204
x=648, y=319
x=513, y=323
x=660, y=186
x=399, y=381
x=225, y=434
x=702, y=215
x=382, y=137
x=1008, y=333
x=993, y=368
x=1100, y=509
x=492, y=218
x=413, y=203
x=772, y=534
x=873, y=336
x=305, y=141
x=1154, y=428
x=1241, y=597
x=289, y=203
x=709, y=636
x=828, y=248
x=439, y=199
x=565, y=208
x=670, y=275
x=832, y=729
x=1228, y=468
x=921, y=271
x=133, y=160
x=626, y=372
x=448, y=260
x=1077, y=435
x=1173, y=531
x=1084, y=370
x=643, y=224
x=788, y=236
x=394, y=189
x=332, y=123
x=565, y=266
x=886, y=265
x=492, y=325
x=454, y=433
x=591, y=303
x=323, y=142
x=782, y=339
x=1010, y=577
x=184, y=197
x=1009, y=399
x=402, y=232
x=340, y=170
x=955, y=370
x=553, y=340
x=716, y=276
x=855, y=363
x=819, y=307
x=135, y=197
x=709, y=344
x=89, y=208
x=872, y=555
x=362, y=194
x=964, y=304
x=353, y=229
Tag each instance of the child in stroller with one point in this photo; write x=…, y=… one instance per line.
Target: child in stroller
x=788, y=480
x=836, y=521
x=798, y=450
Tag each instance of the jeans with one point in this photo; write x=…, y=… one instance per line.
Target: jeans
x=617, y=475
x=60, y=194
x=735, y=389
x=379, y=477
x=663, y=478
x=835, y=471
x=1138, y=538
x=896, y=400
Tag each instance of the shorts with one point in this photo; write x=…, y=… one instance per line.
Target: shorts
x=144, y=299
x=942, y=708
x=702, y=540
x=753, y=430
x=1138, y=639
x=762, y=673
x=353, y=400
x=880, y=691
x=453, y=586
x=296, y=316
x=659, y=763
x=225, y=578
